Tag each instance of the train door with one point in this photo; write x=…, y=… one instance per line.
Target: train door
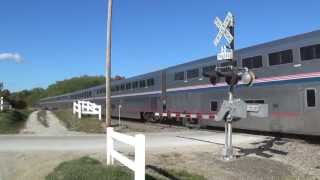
x=153, y=104
x=310, y=114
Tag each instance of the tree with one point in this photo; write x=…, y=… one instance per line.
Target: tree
x=5, y=94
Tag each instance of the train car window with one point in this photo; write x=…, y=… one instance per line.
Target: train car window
x=274, y=59
x=192, y=73
x=122, y=87
x=286, y=56
x=178, y=76
x=135, y=84
x=311, y=97
x=310, y=52
x=208, y=69
x=252, y=62
x=318, y=51
x=150, y=82
x=128, y=86
x=247, y=63
x=213, y=106
x=282, y=57
x=255, y=101
x=142, y=83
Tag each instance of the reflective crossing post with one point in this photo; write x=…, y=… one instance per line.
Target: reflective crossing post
x=119, y=111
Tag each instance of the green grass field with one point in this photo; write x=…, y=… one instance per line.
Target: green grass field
x=89, y=124
x=12, y=121
x=87, y=168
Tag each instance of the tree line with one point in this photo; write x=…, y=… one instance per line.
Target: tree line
x=27, y=98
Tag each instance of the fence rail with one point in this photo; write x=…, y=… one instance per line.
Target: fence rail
x=138, y=142
x=86, y=107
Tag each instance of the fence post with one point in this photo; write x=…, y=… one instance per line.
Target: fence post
x=74, y=110
x=100, y=112
x=140, y=157
x=1, y=108
x=109, y=145
x=80, y=110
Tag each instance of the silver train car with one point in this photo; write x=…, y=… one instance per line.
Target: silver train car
x=288, y=80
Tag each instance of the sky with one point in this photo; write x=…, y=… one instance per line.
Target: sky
x=42, y=42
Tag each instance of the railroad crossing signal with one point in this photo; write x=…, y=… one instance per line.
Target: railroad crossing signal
x=224, y=29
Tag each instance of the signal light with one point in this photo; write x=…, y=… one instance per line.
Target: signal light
x=247, y=77
x=232, y=77
x=213, y=77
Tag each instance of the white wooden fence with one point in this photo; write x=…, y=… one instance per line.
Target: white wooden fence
x=86, y=107
x=4, y=105
x=1, y=104
x=138, y=142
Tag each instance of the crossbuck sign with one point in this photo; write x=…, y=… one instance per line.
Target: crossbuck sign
x=224, y=31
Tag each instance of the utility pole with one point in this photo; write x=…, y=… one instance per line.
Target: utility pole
x=108, y=65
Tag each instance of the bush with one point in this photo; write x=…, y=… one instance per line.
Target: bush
x=12, y=121
x=18, y=104
x=87, y=168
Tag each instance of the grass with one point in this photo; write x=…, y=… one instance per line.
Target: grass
x=12, y=121
x=42, y=118
x=87, y=168
x=89, y=124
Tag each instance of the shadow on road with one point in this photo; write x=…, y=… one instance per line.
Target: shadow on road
x=161, y=172
x=265, y=146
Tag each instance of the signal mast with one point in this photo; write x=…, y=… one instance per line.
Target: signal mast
x=231, y=109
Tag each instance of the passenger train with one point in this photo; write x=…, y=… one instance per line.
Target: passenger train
x=287, y=79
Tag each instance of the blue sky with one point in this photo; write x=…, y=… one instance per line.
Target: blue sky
x=45, y=41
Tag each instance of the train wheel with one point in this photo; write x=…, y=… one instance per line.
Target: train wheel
x=155, y=119
x=191, y=123
x=148, y=116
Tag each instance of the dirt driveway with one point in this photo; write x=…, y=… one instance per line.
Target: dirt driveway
x=55, y=127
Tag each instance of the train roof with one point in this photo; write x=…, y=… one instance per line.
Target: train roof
x=213, y=58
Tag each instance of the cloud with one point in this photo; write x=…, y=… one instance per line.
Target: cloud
x=15, y=57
